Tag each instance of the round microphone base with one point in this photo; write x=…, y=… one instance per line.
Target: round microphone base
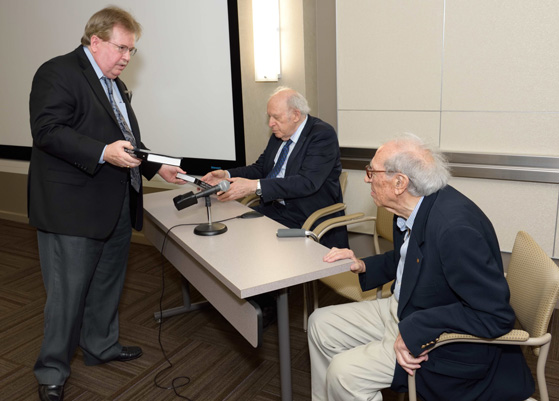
x=207, y=229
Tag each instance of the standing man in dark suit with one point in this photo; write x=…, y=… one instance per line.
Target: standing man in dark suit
x=299, y=171
x=448, y=275
x=85, y=195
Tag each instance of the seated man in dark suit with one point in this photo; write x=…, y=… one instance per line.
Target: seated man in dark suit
x=448, y=275
x=299, y=171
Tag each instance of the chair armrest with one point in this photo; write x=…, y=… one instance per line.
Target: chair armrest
x=250, y=199
x=337, y=207
x=447, y=338
x=329, y=224
x=516, y=337
x=513, y=335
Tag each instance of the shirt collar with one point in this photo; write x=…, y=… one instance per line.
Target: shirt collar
x=404, y=224
x=295, y=137
x=93, y=63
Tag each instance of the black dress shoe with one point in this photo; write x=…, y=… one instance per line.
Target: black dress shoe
x=51, y=392
x=129, y=353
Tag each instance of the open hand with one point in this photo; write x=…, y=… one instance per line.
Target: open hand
x=337, y=254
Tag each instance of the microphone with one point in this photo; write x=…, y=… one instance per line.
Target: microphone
x=190, y=198
x=223, y=186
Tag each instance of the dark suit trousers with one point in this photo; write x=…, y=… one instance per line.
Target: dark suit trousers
x=83, y=279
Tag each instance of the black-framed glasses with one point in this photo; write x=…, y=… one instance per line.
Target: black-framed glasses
x=124, y=49
x=371, y=171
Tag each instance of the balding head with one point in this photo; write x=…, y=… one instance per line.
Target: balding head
x=426, y=168
x=287, y=109
x=293, y=99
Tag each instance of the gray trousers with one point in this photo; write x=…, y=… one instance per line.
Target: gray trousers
x=351, y=348
x=83, y=279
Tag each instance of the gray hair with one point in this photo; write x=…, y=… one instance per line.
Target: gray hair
x=426, y=167
x=295, y=102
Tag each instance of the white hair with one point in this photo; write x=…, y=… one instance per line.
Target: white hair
x=295, y=102
x=426, y=167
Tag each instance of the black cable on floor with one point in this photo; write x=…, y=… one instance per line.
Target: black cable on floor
x=174, y=386
x=186, y=380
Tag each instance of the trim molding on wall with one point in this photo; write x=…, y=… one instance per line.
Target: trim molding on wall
x=478, y=165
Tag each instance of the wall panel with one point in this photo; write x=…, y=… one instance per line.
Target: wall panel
x=501, y=55
x=507, y=132
x=389, y=54
x=513, y=206
x=369, y=129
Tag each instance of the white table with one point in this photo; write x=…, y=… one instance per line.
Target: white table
x=247, y=260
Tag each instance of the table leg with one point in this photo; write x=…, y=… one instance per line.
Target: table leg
x=284, y=345
x=186, y=307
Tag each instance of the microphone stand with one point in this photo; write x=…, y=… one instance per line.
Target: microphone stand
x=210, y=228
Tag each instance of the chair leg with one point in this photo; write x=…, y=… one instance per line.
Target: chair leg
x=376, y=243
x=305, y=307
x=411, y=388
x=309, y=292
x=315, y=294
x=540, y=371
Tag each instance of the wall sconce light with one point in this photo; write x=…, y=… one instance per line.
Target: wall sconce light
x=266, y=32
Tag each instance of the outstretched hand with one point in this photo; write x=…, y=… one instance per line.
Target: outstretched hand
x=215, y=177
x=337, y=254
x=169, y=174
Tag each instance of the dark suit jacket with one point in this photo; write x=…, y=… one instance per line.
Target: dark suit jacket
x=453, y=282
x=311, y=178
x=69, y=192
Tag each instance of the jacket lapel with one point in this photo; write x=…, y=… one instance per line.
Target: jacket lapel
x=414, y=255
x=95, y=83
x=412, y=266
x=275, y=144
x=299, y=145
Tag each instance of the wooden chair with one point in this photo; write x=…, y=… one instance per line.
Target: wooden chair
x=533, y=279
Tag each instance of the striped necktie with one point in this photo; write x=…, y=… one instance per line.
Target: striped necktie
x=135, y=177
x=281, y=160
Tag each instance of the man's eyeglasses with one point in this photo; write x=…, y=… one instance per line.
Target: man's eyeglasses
x=124, y=49
x=371, y=172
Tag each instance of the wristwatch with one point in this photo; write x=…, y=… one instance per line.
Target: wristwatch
x=258, y=191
